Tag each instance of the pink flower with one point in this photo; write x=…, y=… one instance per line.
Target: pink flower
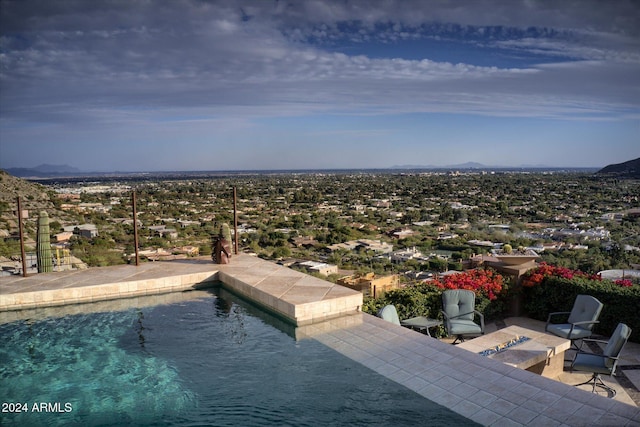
x=624, y=283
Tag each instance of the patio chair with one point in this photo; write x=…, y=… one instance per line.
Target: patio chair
x=459, y=313
x=584, y=314
x=604, y=363
x=390, y=314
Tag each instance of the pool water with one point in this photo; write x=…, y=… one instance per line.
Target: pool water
x=204, y=361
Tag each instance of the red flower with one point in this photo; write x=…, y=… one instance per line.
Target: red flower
x=539, y=274
x=624, y=283
x=482, y=282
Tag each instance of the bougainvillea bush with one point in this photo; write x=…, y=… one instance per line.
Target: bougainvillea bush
x=549, y=289
x=538, y=275
x=489, y=286
x=486, y=283
x=426, y=299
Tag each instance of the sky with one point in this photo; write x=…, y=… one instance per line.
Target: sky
x=153, y=85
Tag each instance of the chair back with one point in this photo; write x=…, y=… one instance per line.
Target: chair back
x=585, y=308
x=459, y=303
x=390, y=314
x=616, y=342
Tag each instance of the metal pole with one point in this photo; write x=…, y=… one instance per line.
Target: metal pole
x=21, y=233
x=135, y=226
x=235, y=221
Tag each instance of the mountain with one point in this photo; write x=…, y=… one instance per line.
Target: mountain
x=630, y=169
x=44, y=170
x=33, y=198
x=468, y=165
x=11, y=187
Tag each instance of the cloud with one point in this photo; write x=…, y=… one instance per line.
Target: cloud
x=102, y=63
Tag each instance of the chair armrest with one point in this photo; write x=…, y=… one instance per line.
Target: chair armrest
x=614, y=358
x=446, y=321
x=481, y=316
x=460, y=315
x=555, y=313
x=586, y=322
x=559, y=312
x=594, y=340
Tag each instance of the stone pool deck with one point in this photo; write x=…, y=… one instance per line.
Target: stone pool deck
x=301, y=298
x=481, y=389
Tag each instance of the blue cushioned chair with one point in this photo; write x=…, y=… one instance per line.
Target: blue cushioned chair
x=584, y=314
x=390, y=314
x=604, y=363
x=421, y=323
x=459, y=313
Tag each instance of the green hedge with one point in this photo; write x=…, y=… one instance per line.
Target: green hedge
x=621, y=304
x=426, y=300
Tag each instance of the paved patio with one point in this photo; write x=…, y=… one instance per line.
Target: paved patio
x=481, y=389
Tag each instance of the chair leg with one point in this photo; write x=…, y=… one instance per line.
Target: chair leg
x=458, y=338
x=596, y=380
x=576, y=346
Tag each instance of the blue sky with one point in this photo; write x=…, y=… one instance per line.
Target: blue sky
x=219, y=85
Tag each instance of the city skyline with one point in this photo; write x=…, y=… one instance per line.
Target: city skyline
x=254, y=85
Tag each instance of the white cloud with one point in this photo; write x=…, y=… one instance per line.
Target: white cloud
x=89, y=64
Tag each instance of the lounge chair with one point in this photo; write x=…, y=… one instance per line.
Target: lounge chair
x=604, y=363
x=584, y=314
x=459, y=313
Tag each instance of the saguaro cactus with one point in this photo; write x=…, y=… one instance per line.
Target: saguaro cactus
x=225, y=232
x=43, y=241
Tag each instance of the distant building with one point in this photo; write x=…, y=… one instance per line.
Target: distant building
x=368, y=284
x=447, y=236
x=304, y=241
x=185, y=223
x=484, y=243
x=245, y=228
x=164, y=231
x=377, y=246
x=318, y=267
x=24, y=213
x=633, y=213
x=64, y=236
x=407, y=254
x=84, y=230
x=403, y=233
x=187, y=250
x=423, y=223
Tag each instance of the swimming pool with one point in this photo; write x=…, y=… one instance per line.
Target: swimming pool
x=203, y=360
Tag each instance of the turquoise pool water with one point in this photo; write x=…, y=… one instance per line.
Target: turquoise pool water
x=205, y=360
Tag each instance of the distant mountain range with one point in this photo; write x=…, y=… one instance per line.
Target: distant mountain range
x=44, y=171
x=630, y=169
x=626, y=169
x=468, y=165
x=475, y=165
